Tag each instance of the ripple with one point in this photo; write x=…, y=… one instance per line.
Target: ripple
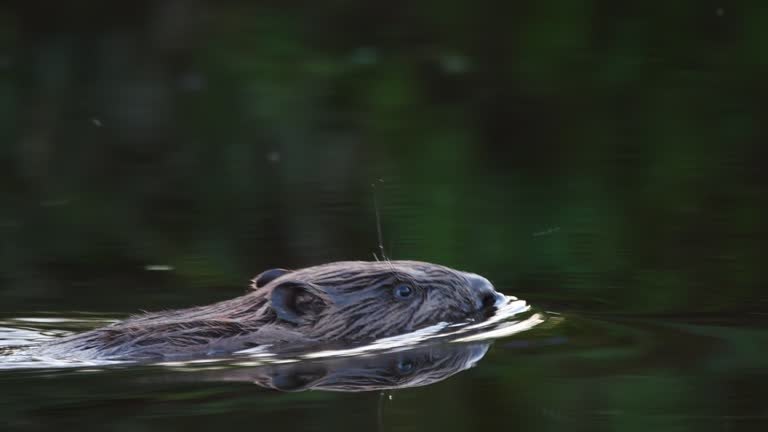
x=511, y=316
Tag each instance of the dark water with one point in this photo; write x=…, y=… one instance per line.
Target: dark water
x=577, y=373
x=602, y=162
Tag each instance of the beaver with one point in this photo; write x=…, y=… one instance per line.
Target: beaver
x=348, y=301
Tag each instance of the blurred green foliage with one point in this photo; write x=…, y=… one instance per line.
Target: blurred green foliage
x=589, y=155
x=594, y=155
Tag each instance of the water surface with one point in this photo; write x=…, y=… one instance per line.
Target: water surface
x=595, y=372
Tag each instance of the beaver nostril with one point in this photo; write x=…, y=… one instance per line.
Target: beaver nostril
x=488, y=300
x=485, y=295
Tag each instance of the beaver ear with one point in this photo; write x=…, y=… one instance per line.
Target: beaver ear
x=267, y=276
x=295, y=302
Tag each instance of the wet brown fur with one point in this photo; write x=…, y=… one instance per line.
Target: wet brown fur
x=342, y=301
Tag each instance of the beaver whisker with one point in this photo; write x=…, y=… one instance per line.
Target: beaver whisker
x=391, y=266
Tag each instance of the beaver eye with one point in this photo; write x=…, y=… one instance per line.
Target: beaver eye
x=405, y=366
x=403, y=291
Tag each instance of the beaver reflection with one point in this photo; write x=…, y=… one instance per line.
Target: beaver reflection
x=392, y=370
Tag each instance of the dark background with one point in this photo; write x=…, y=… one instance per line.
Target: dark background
x=592, y=156
x=601, y=159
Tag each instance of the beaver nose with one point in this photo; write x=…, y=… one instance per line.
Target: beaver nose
x=485, y=295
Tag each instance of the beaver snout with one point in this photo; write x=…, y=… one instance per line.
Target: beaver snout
x=485, y=295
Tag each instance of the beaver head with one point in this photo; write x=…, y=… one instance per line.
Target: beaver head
x=367, y=300
x=338, y=302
